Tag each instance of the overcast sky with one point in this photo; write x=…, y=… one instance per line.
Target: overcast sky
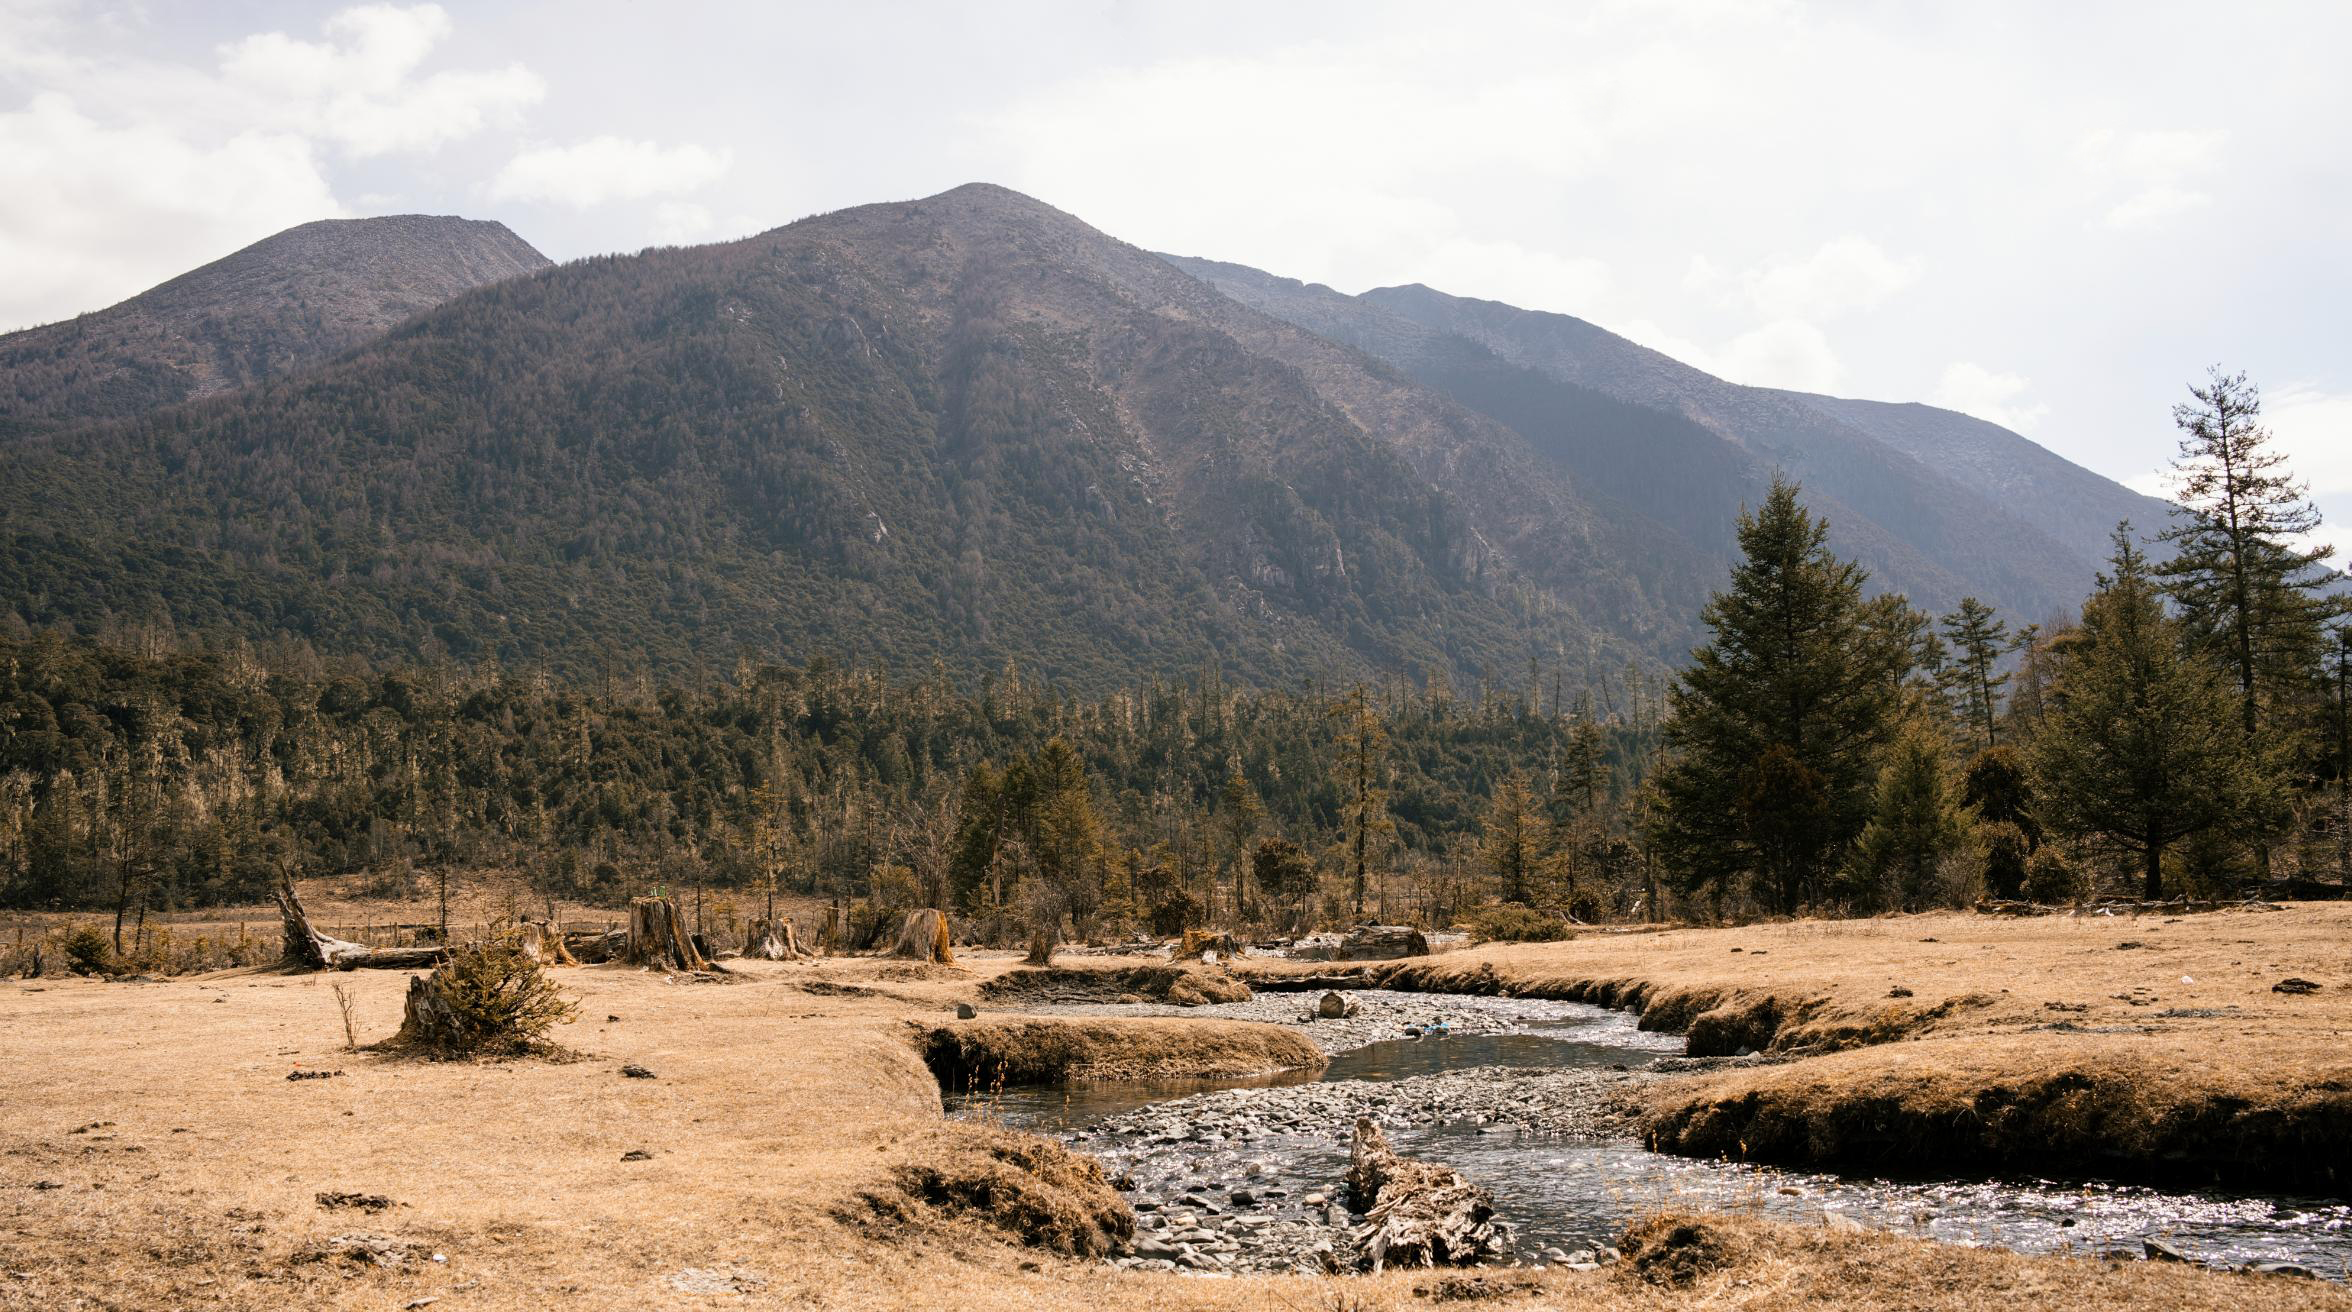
x=2050, y=215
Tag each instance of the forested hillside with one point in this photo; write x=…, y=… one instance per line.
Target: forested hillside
x=178, y=778
x=281, y=304
x=964, y=430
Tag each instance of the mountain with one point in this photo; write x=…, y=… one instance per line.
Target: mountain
x=1935, y=504
x=284, y=302
x=968, y=429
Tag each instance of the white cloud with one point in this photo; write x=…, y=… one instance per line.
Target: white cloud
x=2314, y=429
x=601, y=169
x=1507, y=271
x=90, y=213
x=121, y=171
x=1844, y=275
x=2158, y=172
x=1788, y=353
x=1994, y=397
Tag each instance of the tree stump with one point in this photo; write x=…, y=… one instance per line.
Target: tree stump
x=1041, y=948
x=1199, y=943
x=922, y=936
x=544, y=943
x=773, y=941
x=1419, y=1213
x=658, y=937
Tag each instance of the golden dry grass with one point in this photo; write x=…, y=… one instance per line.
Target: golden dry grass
x=984, y=1054
x=779, y=1124
x=2140, y=1046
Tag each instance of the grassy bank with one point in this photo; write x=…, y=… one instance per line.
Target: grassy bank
x=2149, y=1048
x=985, y=1054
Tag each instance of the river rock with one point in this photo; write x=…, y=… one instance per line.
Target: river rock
x=1335, y=1006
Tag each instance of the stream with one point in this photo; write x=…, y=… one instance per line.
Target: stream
x=1240, y=1175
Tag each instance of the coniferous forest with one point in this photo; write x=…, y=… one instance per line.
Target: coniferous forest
x=1827, y=749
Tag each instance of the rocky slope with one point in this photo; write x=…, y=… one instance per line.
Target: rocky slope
x=284, y=302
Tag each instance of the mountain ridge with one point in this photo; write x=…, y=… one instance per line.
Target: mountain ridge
x=290, y=300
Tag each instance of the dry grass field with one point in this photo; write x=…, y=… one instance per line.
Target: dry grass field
x=155, y=1154
x=2146, y=1046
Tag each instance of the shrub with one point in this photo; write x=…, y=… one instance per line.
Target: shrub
x=86, y=951
x=2005, y=857
x=1518, y=924
x=487, y=999
x=2050, y=877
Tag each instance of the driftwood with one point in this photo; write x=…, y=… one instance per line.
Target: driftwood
x=1272, y=983
x=1417, y=1213
x=773, y=941
x=922, y=936
x=1382, y=943
x=308, y=949
x=594, y=947
x=1199, y=943
x=658, y=937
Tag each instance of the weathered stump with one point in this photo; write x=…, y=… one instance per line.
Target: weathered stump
x=1199, y=943
x=544, y=943
x=1417, y=1213
x=1041, y=948
x=922, y=936
x=658, y=937
x=773, y=941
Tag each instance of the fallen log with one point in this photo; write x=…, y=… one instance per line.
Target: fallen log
x=1272, y=983
x=308, y=949
x=658, y=937
x=1417, y=1213
x=922, y=936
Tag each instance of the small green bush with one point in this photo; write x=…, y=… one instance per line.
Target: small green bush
x=1518, y=924
x=2050, y=877
x=87, y=952
x=487, y=999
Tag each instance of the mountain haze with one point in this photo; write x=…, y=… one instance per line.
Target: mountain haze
x=1936, y=504
x=284, y=302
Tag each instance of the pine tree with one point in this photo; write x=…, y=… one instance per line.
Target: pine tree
x=1774, y=729
x=2253, y=601
x=1514, y=840
x=2139, y=745
x=1977, y=639
x=1242, y=814
x=1915, y=824
x=1363, y=743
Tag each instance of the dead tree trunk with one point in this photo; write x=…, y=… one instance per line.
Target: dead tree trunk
x=773, y=940
x=922, y=936
x=308, y=949
x=658, y=938
x=544, y=943
x=1419, y=1213
x=1041, y=947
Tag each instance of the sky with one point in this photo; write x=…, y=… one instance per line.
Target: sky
x=2051, y=216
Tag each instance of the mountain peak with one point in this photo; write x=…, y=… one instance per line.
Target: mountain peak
x=291, y=299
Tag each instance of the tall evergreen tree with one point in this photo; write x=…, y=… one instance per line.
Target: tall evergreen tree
x=1242, y=813
x=1362, y=767
x=1774, y=729
x=1915, y=823
x=2253, y=600
x=1513, y=844
x=1977, y=639
x=2139, y=745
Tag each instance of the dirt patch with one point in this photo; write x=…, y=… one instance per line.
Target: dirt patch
x=1676, y=1251
x=1177, y=985
x=972, y=1056
x=1032, y=1189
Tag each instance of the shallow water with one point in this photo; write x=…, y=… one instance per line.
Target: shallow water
x=1563, y=1194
